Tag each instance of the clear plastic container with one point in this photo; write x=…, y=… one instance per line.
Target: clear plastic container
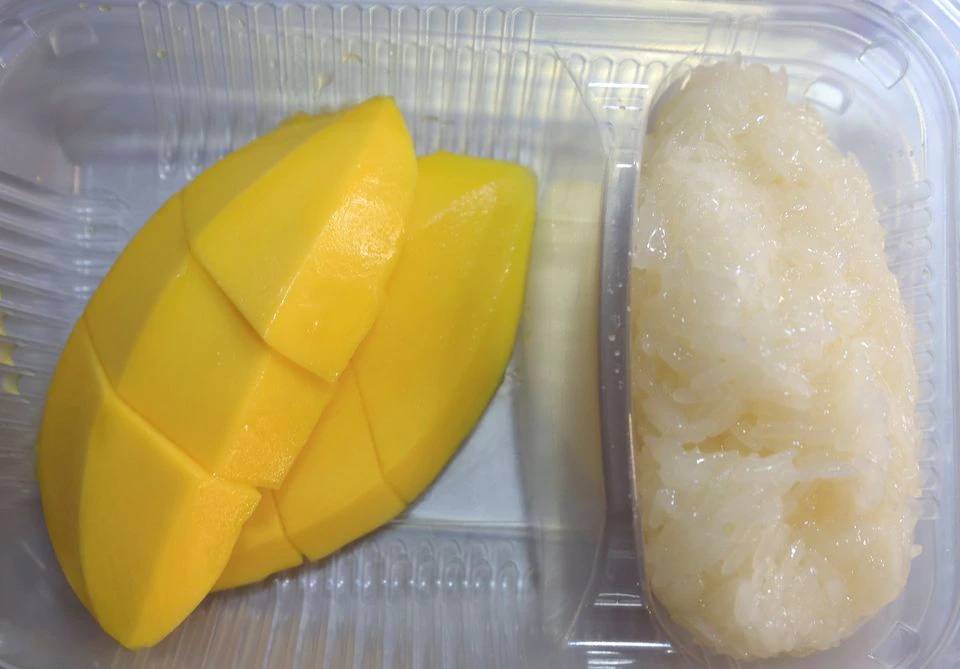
x=523, y=554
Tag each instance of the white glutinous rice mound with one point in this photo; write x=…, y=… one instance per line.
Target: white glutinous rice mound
x=774, y=385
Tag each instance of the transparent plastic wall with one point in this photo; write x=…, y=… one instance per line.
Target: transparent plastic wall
x=524, y=553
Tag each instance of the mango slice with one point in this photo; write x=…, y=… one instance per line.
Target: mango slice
x=181, y=356
x=151, y=531
x=333, y=495
x=335, y=492
x=429, y=366
x=321, y=219
x=438, y=351
x=261, y=549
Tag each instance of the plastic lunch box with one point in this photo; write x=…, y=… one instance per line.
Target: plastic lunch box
x=523, y=554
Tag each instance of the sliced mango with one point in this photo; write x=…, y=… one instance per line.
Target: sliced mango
x=256, y=333
x=153, y=531
x=335, y=492
x=320, y=216
x=261, y=549
x=438, y=351
x=430, y=364
x=333, y=495
x=180, y=355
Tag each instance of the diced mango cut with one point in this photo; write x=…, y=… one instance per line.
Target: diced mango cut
x=183, y=357
x=335, y=492
x=261, y=549
x=320, y=217
x=153, y=529
x=437, y=353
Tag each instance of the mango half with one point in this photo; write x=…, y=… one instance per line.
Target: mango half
x=205, y=360
x=423, y=375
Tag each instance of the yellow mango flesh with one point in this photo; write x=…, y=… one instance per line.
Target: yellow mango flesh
x=168, y=405
x=437, y=352
x=261, y=549
x=324, y=250
x=149, y=547
x=335, y=492
x=430, y=364
x=333, y=495
x=213, y=190
x=181, y=356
